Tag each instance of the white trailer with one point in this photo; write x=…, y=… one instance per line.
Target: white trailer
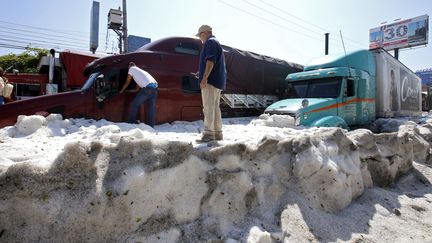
x=398, y=89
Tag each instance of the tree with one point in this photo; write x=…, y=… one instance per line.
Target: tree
x=25, y=62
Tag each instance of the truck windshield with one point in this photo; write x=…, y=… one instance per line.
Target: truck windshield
x=89, y=82
x=316, y=88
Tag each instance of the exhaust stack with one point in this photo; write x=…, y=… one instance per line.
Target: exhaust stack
x=326, y=43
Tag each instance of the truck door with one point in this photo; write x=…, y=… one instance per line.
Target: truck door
x=347, y=109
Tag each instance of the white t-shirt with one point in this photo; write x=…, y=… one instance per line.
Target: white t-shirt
x=2, y=84
x=141, y=77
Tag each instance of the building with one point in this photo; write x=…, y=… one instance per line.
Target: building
x=136, y=42
x=426, y=76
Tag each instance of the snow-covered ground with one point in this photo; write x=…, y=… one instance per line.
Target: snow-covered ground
x=78, y=180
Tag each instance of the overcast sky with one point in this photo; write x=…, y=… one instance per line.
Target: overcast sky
x=290, y=30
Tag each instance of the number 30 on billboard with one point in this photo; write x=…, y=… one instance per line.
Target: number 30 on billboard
x=401, y=34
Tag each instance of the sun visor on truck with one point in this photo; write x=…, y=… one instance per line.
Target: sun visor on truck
x=362, y=59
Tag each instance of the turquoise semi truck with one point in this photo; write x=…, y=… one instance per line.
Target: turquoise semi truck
x=351, y=89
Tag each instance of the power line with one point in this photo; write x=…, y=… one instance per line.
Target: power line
x=27, y=40
x=14, y=45
x=41, y=33
x=267, y=20
x=25, y=45
x=55, y=45
x=44, y=38
x=299, y=25
x=307, y=22
x=30, y=37
x=287, y=20
x=46, y=32
x=337, y=41
x=292, y=15
x=48, y=29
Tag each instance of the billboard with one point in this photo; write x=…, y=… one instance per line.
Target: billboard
x=401, y=34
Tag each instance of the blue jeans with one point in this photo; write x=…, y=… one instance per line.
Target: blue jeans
x=150, y=94
x=2, y=101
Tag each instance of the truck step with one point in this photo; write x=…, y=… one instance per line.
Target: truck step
x=248, y=101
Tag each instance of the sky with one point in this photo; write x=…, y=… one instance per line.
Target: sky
x=290, y=30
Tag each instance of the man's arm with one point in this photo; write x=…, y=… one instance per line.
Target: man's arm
x=126, y=84
x=207, y=71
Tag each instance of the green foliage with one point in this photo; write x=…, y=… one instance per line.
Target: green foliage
x=25, y=62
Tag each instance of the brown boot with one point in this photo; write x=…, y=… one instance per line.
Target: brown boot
x=219, y=136
x=205, y=138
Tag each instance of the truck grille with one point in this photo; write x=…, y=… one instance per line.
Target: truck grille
x=293, y=114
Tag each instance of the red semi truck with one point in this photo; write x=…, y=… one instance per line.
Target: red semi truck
x=254, y=81
x=68, y=75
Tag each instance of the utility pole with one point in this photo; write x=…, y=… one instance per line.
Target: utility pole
x=125, y=29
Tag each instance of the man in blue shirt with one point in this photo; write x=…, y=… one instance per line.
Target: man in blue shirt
x=212, y=76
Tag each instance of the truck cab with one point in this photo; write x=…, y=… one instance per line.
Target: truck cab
x=333, y=91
